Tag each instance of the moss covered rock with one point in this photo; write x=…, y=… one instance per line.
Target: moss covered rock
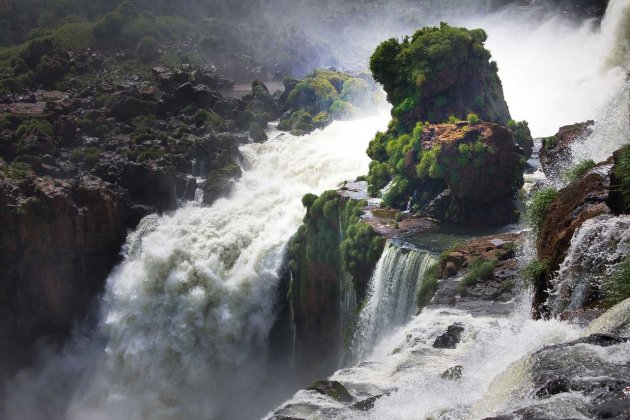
x=439, y=72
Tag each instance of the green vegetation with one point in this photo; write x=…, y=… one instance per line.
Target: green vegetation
x=535, y=273
x=577, y=171
x=621, y=170
x=412, y=73
x=472, y=118
x=538, y=205
x=617, y=287
x=429, y=285
x=323, y=94
x=477, y=270
x=87, y=155
x=16, y=171
x=34, y=126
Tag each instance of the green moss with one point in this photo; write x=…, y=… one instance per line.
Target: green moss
x=577, y=171
x=429, y=286
x=477, y=270
x=538, y=205
x=314, y=95
x=298, y=123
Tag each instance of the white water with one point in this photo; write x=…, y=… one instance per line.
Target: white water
x=597, y=247
x=391, y=298
x=554, y=72
x=186, y=316
x=407, y=367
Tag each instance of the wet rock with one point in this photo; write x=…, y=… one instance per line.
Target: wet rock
x=453, y=374
x=556, y=150
x=575, y=204
x=332, y=389
x=367, y=404
x=613, y=410
x=450, y=338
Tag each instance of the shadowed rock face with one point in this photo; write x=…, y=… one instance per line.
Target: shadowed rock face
x=58, y=246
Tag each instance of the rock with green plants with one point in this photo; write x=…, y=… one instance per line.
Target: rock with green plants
x=451, y=150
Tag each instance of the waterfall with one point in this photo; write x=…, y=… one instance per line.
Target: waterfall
x=391, y=297
x=186, y=316
x=596, y=248
x=554, y=72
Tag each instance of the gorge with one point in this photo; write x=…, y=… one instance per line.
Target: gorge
x=321, y=252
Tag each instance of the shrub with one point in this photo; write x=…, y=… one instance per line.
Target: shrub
x=87, y=155
x=538, y=205
x=429, y=286
x=472, y=118
x=577, y=171
x=27, y=127
x=313, y=95
x=75, y=36
x=478, y=270
x=147, y=49
x=617, y=287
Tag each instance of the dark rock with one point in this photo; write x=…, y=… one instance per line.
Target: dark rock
x=619, y=410
x=556, y=150
x=453, y=374
x=367, y=404
x=124, y=108
x=332, y=389
x=450, y=338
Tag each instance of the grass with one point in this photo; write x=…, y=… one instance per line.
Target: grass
x=617, y=288
x=478, y=270
x=577, y=171
x=534, y=272
x=622, y=176
x=538, y=205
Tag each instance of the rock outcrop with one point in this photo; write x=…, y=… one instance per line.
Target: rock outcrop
x=556, y=150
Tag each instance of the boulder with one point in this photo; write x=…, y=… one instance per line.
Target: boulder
x=450, y=338
x=332, y=389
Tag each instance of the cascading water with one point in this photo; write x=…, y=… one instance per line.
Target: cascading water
x=391, y=298
x=187, y=314
x=596, y=249
x=555, y=72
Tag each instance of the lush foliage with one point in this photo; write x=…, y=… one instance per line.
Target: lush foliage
x=535, y=273
x=425, y=75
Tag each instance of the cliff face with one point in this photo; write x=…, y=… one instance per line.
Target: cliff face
x=58, y=246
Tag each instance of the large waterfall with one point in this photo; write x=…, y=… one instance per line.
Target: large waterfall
x=391, y=298
x=186, y=316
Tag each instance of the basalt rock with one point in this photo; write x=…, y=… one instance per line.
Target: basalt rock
x=332, y=389
x=58, y=242
x=450, y=338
